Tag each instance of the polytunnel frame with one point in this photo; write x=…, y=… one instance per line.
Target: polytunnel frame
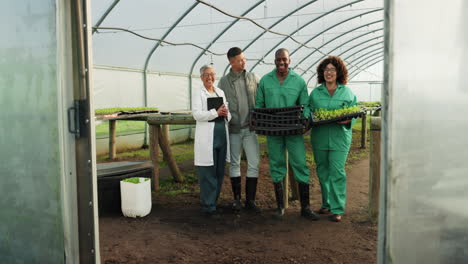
x=349, y=63
x=359, y=59
x=303, y=26
x=213, y=41
x=272, y=26
x=339, y=36
x=369, y=63
x=363, y=59
x=173, y=26
x=339, y=55
x=382, y=240
x=189, y=10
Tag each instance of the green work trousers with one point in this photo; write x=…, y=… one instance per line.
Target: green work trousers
x=211, y=178
x=332, y=176
x=277, y=146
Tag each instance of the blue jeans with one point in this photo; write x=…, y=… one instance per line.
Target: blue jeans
x=248, y=141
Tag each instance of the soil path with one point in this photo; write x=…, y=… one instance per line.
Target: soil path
x=175, y=231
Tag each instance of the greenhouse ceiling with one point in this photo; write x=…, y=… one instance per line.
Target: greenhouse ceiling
x=180, y=36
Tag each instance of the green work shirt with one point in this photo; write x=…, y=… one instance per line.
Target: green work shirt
x=292, y=92
x=332, y=136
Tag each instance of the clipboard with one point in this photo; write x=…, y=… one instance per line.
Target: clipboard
x=215, y=102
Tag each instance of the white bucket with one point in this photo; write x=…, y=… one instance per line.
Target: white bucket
x=136, y=197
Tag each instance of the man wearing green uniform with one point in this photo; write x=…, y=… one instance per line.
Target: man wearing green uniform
x=282, y=88
x=331, y=142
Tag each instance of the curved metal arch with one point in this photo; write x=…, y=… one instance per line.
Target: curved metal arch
x=364, y=61
x=360, y=43
x=369, y=46
x=368, y=66
x=342, y=52
x=359, y=59
x=303, y=26
x=272, y=26
x=108, y=10
x=365, y=65
x=150, y=54
x=360, y=36
x=342, y=22
x=221, y=33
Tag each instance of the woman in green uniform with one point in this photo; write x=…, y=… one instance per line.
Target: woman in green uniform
x=331, y=142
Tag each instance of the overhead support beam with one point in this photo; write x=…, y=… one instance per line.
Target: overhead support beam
x=367, y=65
x=105, y=15
x=272, y=26
x=339, y=55
x=357, y=37
x=340, y=23
x=354, y=64
x=303, y=26
x=220, y=34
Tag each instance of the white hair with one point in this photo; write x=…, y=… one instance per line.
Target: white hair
x=204, y=67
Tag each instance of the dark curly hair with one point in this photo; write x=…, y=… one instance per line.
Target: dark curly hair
x=341, y=71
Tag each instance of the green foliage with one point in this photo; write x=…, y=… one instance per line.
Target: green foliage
x=169, y=186
x=261, y=139
x=134, y=180
x=108, y=111
x=323, y=114
x=369, y=104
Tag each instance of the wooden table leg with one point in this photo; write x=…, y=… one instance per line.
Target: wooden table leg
x=364, y=131
x=167, y=152
x=154, y=153
x=112, y=135
x=374, y=176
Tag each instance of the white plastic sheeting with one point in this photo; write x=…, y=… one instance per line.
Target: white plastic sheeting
x=425, y=213
x=123, y=87
x=350, y=29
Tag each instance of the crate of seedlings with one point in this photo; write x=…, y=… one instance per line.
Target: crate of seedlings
x=322, y=116
x=281, y=121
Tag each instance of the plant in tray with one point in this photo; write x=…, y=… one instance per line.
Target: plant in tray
x=323, y=114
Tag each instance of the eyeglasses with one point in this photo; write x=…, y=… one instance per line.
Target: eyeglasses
x=329, y=70
x=209, y=74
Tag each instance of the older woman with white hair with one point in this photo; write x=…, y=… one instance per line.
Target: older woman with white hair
x=211, y=138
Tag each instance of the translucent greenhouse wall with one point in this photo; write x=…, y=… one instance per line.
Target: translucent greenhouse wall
x=31, y=134
x=425, y=125
x=124, y=87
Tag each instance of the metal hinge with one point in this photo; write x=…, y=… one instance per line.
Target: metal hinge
x=77, y=120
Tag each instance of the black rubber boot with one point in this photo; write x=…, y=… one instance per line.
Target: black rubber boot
x=279, y=199
x=236, y=191
x=250, y=191
x=305, y=202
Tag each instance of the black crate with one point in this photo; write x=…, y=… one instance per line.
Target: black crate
x=282, y=121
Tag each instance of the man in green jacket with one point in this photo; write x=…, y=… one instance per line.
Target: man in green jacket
x=282, y=88
x=240, y=88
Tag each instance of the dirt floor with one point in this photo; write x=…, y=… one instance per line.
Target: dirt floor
x=176, y=232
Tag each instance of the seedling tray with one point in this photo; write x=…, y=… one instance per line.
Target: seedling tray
x=315, y=122
x=282, y=121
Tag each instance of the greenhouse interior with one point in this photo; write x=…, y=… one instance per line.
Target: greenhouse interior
x=102, y=97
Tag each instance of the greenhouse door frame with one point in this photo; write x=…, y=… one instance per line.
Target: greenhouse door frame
x=81, y=116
